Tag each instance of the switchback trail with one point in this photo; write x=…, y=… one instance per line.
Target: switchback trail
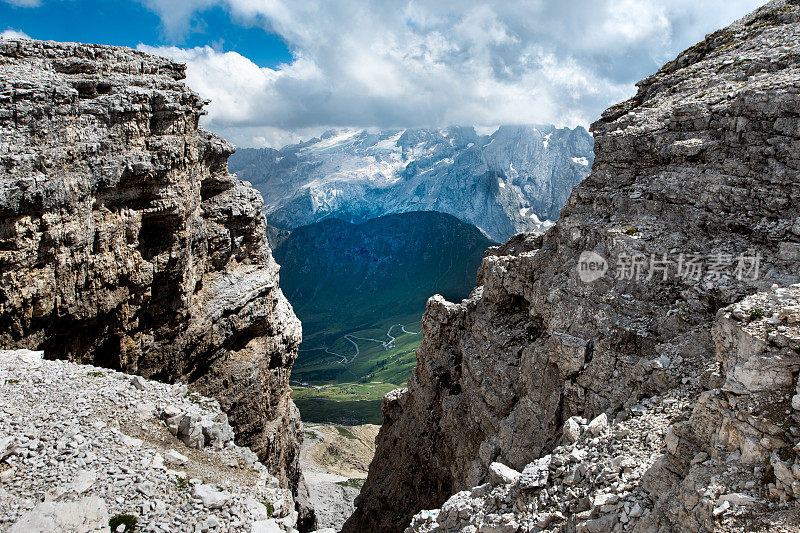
x=352, y=340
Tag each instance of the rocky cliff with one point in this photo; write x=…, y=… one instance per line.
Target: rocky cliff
x=125, y=243
x=610, y=375
x=516, y=179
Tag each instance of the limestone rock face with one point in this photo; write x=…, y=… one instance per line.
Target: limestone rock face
x=744, y=423
x=89, y=514
x=125, y=242
x=704, y=161
x=688, y=459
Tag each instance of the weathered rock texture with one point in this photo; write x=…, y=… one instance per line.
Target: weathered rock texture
x=125, y=242
x=687, y=459
x=80, y=444
x=704, y=159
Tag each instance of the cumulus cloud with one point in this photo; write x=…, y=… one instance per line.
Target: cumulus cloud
x=383, y=63
x=14, y=34
x=24, y=3
x=176, y=17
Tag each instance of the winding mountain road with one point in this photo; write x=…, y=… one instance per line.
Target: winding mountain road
x=352, y=340
x=328, y=351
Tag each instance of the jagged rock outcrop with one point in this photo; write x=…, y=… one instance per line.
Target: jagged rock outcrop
x=605, y=314
x=687, y=459
x=741, y=442
x=125, y=243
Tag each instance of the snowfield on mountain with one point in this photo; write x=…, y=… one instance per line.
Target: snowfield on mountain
x=516, y=179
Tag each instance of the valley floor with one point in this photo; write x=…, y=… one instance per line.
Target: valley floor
x=344, y=382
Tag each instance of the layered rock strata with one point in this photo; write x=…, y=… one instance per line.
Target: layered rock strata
x=695, y=182
x=125, y=242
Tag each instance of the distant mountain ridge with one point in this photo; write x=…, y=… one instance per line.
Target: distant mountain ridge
x=335, y=271
x=516, y=179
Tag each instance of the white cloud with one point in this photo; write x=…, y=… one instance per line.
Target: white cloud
x=176, y=16
x=24, y=3
x=403, y=63
x=14, y=34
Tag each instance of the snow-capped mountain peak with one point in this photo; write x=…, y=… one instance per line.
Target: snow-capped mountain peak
x=514, y=179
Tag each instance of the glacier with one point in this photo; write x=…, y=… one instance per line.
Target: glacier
x=513, y=180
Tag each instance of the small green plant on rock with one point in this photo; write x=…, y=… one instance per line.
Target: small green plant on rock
x=346, y=433
x=756, y=313
x=128, y=520
x=182, y=482
x=355, y=483
x=96, y=374
x=193, y=397
x=269, y=506
x=631, y=231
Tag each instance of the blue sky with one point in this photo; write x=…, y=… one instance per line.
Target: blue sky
x=277, y=71
x=130, y=23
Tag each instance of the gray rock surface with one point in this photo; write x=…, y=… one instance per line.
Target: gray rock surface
x=687, y=460
x=703, y=160
x=81, y=516
x=85, y=453
x=125, y=242
x=335, y=460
